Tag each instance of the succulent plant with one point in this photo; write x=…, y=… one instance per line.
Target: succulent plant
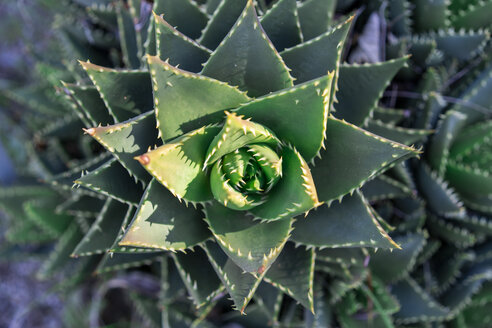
x=228, y=149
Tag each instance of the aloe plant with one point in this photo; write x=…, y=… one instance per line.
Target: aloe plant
x=230, y=150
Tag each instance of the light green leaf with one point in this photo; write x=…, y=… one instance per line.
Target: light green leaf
x=235, y=233
x=352, y=157
x=177, y=48
x=128, y=139
x=350, y=223
x=180, y=111
x=163, y=222
x=368, y=82
x=281, y=24
x=247, y=59
x=283, y=110
x=178, y=165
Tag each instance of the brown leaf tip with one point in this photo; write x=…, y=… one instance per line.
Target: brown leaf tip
x=261, y=269
x=90, y=131
x=144, y=159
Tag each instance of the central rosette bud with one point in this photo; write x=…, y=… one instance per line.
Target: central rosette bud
x=245, y=163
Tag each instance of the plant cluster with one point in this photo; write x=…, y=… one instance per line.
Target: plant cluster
x=235, y=161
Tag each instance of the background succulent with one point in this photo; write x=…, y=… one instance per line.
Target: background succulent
x=282, y=103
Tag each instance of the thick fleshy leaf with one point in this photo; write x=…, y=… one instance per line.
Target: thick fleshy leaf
x=221, y=22
x=295, y=192
x=384, y=187
x=429, y=15
x=185, y=15
x=316, y=57
x=281, y=24
x=104, y=231
x=441, y=141
x=163, y=222
x=459, y=44
x=90, y=102
x=402, y=260
x=178, y=165
x=469, y=179
x=406, y=136
x=352, y=157
x=226, y=194
x=476, y=16
x=178, y=48
x=235, y=231
x=293, y=273
x=283, y=110
x=441, y=198
x=315, y=17
x=112, y=179
x=42, y=213
x=236, y=133
x=368, y=82
x=240, y=285
x=247, y=59
x=60, y=255
x=65, y=179
x=416, y=304
x=120, y=261
x=128, y=37
x=198, y=276
x=180, y=111
x=472, y=136
x=127, y=140
x=350, y=223
x=125, y=93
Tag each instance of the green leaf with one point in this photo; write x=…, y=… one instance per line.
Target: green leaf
x=293, y=273
x=128, y=37
x=222, y=21
x=461, y=45
x=474, y=17
x=188, y=18
x=402, y=260
x=352, y=157
x=163, y=222
x=112, y=179
x=318, y=56
x=295, y=192
x=441, y=141
x=416, y=304
x=81, y=205
x=178, y=48
x=61, y=253
x=468, y=179
x=368, y=82
x=42, y=213
x=281, y=24
x=247, y=59
x=128, y=139
x=441, y=198
x=252, y=245
x=283, y=110
x=384, y=187
x=315, y=17
x=198, y=276
x=430, y=15
x=90, y=103
x=104, y=231
x=178, y=110
x=406, y=136
x=240, y=285
x=350, y=223
x=125, y=93
x=227, y=141
x=116, y=262
x=178, y=165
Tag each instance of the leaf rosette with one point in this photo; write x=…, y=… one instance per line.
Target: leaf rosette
x=244, y=133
